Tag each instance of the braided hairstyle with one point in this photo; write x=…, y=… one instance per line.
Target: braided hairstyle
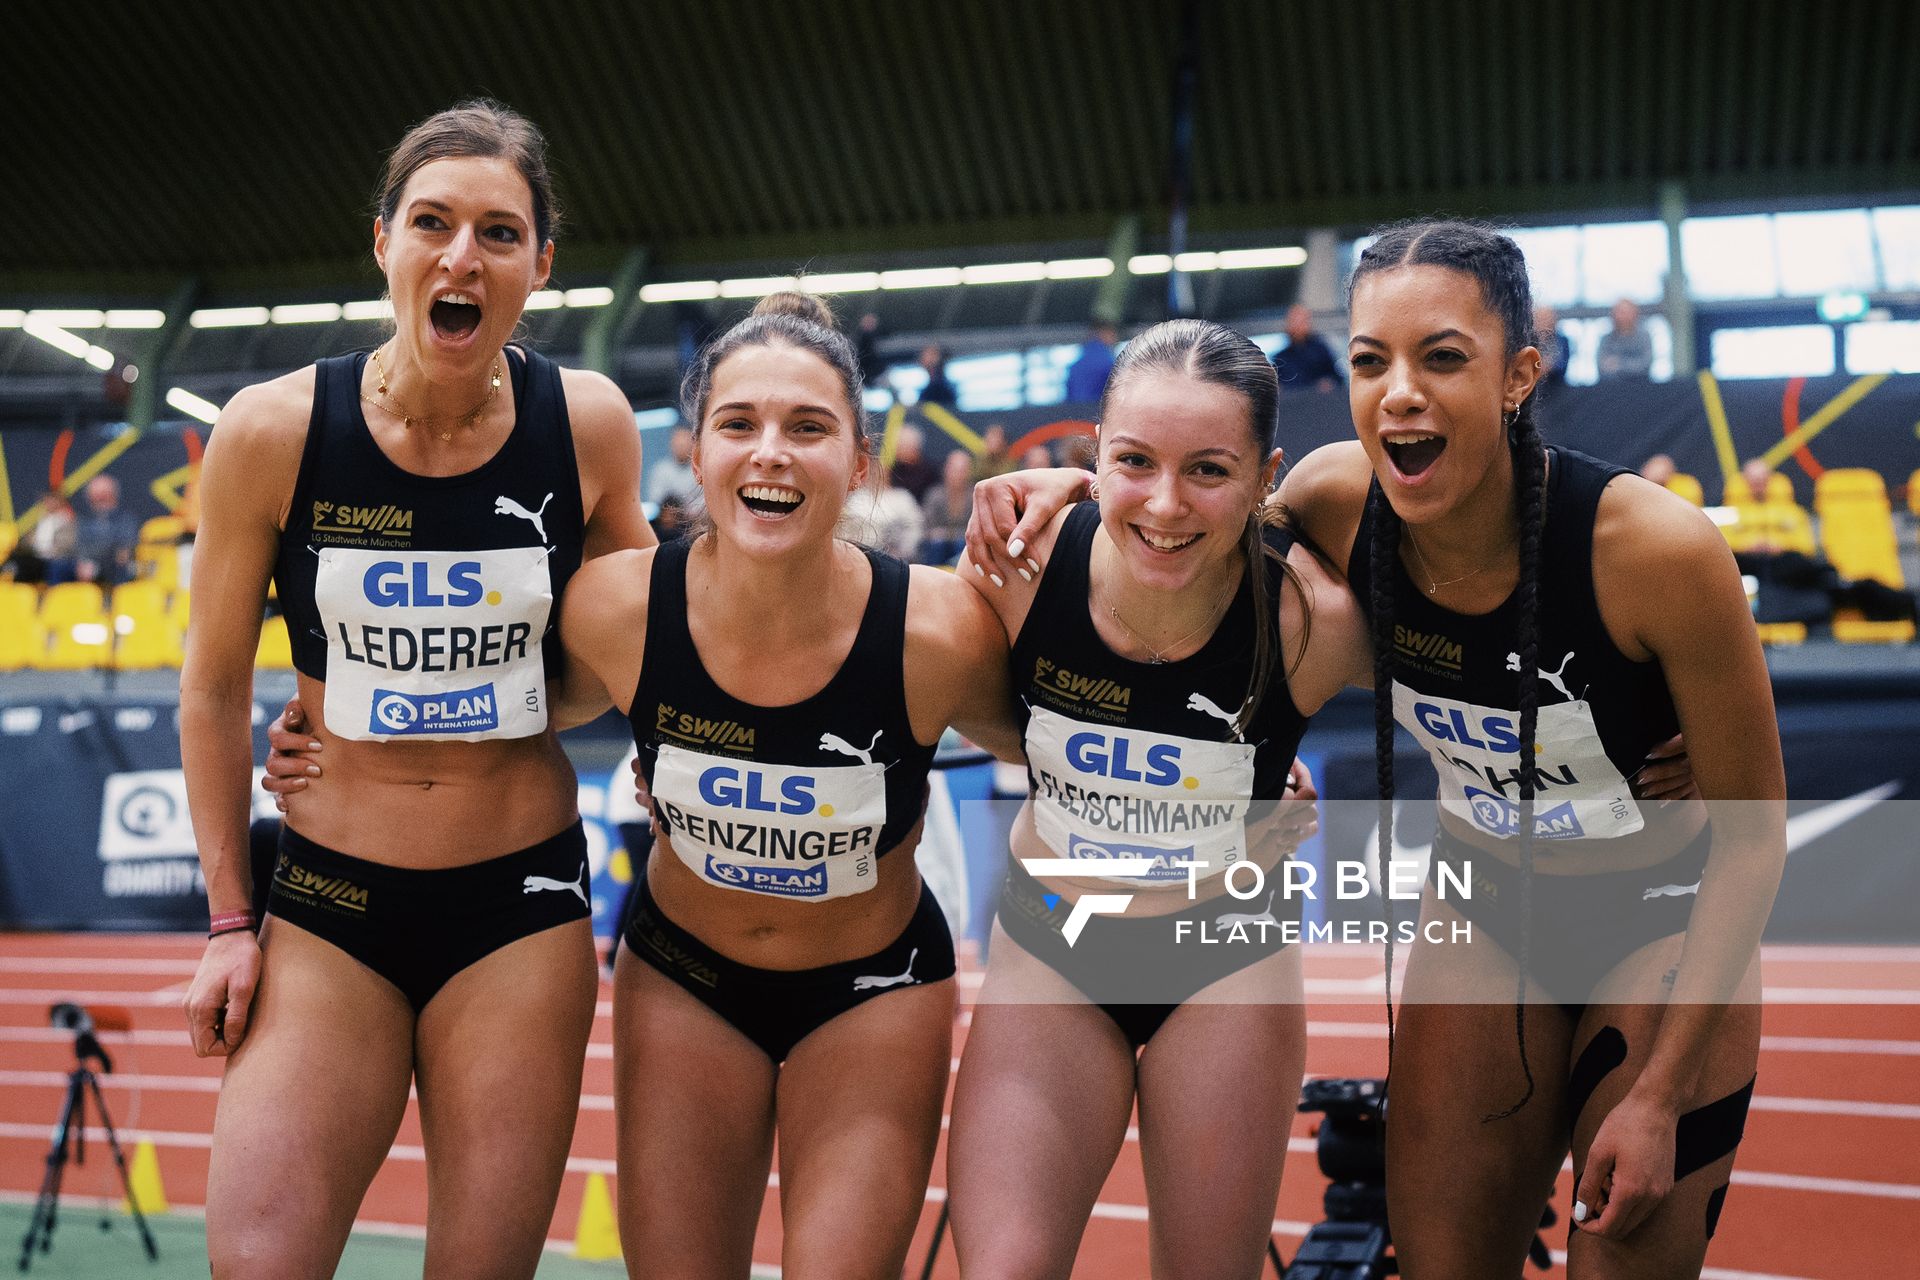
x=1496, y=264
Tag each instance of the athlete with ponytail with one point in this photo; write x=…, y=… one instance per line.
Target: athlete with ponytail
x=1607, y=1002
x=784, y=967
x=1165, y=662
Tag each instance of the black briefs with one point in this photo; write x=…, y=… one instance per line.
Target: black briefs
x=1583, y=926
x=416, y=928
x=778, y=1008
x=1139, y=969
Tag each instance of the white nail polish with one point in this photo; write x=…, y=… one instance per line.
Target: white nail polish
x=980, y=568
x=1033, y=564
x=1015, y=547
x=997, y=580
x=1024, y=575
x=1579, y=1210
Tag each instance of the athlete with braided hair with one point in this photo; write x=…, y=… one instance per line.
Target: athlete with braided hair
x=1628, y=932
x=1628, y=929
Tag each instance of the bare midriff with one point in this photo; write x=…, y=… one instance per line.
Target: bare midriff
x=429, y=805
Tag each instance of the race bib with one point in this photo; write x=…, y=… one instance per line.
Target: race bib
x=1578, y=794
x=434, y=646
x=808, y=832
x=1104, y=792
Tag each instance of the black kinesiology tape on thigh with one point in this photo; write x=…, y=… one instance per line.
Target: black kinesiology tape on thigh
x=1712, y=1131
x=1715, y=1203
x=1604, y=1053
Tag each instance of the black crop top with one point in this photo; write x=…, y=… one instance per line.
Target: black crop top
x=1139, y=760
x=798, y=801
x=1456, y=687
x=423, y=602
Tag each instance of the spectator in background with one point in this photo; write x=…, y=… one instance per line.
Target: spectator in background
x=1555, y=350
x=46, y=553
x=1660, y=468
x=886, y=519
x=939, y=389
x=1306, y=362
x=946, y=507
x=1038, y=458
x=1626, y=351
x=672, y=476
x=1081, y=451
x=1087, y=379
x=911, y=470
x=671, y=524
x=994, y=460
x=1755, y=474
x=104, y=536
x=866, y=350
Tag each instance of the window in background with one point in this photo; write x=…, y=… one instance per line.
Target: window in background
x=1047, y=372
x=1730, y=257
x=1898, y=234
x=989, y=383
x=1553, y=263
x=1777, y=351
x=1583, y=341
x=1883, y=346
x=1825, y=252
x=1623, y=260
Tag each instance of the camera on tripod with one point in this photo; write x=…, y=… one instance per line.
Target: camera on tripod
x=1352, y=1149
x=80, y=1020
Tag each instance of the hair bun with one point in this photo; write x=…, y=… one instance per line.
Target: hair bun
x=801, y=306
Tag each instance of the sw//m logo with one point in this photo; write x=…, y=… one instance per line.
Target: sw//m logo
x=1088, y=905
x=505, y=506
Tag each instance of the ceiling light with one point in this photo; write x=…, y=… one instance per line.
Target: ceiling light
x=307, y=313
x=192, y=405
x=545, y=300
x=100, y=358
x=1284, y=256
x=378, y=309
x=1004, y=273
x=1196, y=261
x=228, y=317
x=11, y=319
x=71, y=319
x=1150, y=264
x=756, y=286
x=920, y=278
x=54, y=336
x=136, y=319
x=597, y=296
x=1079, y=268
x=843, y=282
x=680, y=291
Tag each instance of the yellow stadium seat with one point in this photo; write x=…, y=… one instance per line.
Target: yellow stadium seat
x=1858, y=538
x=166, y=529
x=23, y=641
x=1689, y=488
x=1779, y=489
x=147, y=636
x=1860, y=631
x=79, y=630
x=160, y=561
x=1849, y=483
x=1783, y=633
x=181, y=609
x=1783, y=526
x=1913, y=493
x=275, y=652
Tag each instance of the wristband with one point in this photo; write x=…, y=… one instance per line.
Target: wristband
x=230, y=922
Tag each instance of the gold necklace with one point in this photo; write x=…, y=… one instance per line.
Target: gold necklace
x=391, y=406
x=1433, y=587
x=1158, y=657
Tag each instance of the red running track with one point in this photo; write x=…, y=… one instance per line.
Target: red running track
x=1827, y=1177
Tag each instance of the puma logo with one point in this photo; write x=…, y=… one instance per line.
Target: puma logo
x=873, y=982
x=578, y=888
x=1551, y=677
x=505, y=506
x=1240, y=919
x=1670, y=891
x=833, y=742
x=1207, y=706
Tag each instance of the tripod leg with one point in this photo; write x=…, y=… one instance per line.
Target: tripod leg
x=40, y=1229
x=939, y=1234
x=1273, y=1256
x=120, y=1162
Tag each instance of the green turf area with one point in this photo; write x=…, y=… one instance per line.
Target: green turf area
x=81, y=1251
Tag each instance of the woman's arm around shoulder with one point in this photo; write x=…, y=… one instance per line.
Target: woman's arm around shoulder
x=1323, y=632
x=603, y=633
x=956, y=663
x=607, y=444
x=1326, y=491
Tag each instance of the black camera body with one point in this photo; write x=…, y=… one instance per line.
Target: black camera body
x=86, y=1045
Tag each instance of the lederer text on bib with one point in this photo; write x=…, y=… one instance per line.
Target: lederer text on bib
x=438, y=646
x=1104, y=792
x=789, y=831
x=1578, y=794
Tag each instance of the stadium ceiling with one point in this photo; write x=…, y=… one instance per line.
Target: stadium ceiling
x=239, y=143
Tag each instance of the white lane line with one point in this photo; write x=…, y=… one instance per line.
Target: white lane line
x=1706, y=1273
x=48, y=998
x=1838, y=1044
x=1839, y=995
x=1837, y=1186
x=111, y=1039
x=1832, y=1107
